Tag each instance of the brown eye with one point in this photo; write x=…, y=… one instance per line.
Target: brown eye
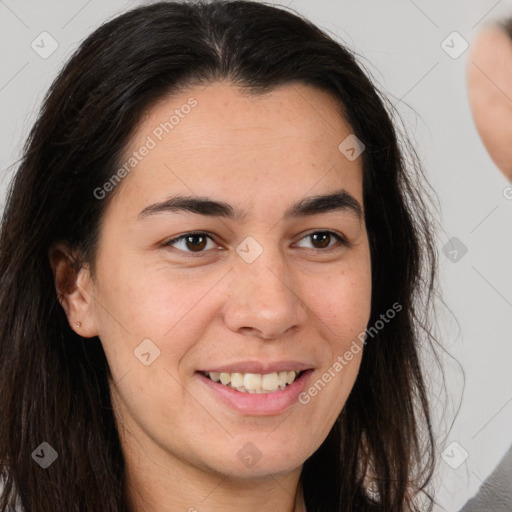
x=321, y=239
x=196, y=242
x=324, y=239
x=190, y=242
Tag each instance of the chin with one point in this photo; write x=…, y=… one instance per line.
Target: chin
x=248, y=461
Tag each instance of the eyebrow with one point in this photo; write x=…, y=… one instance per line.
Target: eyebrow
x=340, y=200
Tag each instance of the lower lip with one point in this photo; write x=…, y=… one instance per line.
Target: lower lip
x=259, y=404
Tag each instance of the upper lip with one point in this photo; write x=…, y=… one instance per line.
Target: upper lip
x=260, y=367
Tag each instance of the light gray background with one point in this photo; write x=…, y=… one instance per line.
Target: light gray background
x=400, y=43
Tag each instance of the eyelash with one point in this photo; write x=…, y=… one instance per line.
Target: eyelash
x=343, y=242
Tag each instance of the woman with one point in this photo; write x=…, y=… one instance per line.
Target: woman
x=213, y=266
x=489, y=75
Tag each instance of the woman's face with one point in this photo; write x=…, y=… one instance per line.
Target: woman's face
x=490, y=94
x=265, y=288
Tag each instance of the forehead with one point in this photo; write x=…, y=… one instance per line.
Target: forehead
x=219, y=137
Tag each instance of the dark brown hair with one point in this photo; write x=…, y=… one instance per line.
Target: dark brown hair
x=379, y=454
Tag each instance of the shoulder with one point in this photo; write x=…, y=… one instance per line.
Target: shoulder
x=495, y=493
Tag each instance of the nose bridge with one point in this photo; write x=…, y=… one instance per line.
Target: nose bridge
x=264, y=297
x=267, y=276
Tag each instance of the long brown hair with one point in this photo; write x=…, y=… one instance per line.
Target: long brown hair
x=379, y=454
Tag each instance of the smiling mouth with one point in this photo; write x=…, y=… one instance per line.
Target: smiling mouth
x=254, y=382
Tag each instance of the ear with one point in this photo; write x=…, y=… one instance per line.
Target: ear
x=74, y=287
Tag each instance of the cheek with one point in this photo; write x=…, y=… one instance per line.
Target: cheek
x=344, y=302
x=135, y=304
x=151, y=301
x=147, y=312
x=344, y=310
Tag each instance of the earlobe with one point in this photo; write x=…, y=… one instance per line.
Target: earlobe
x=74, y=290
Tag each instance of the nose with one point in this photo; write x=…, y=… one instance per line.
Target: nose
x=263, y=300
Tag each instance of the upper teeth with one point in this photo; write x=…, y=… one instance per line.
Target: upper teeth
x=254, y=382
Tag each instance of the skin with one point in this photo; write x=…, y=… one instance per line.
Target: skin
x=296, y=301
x=489, y=75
